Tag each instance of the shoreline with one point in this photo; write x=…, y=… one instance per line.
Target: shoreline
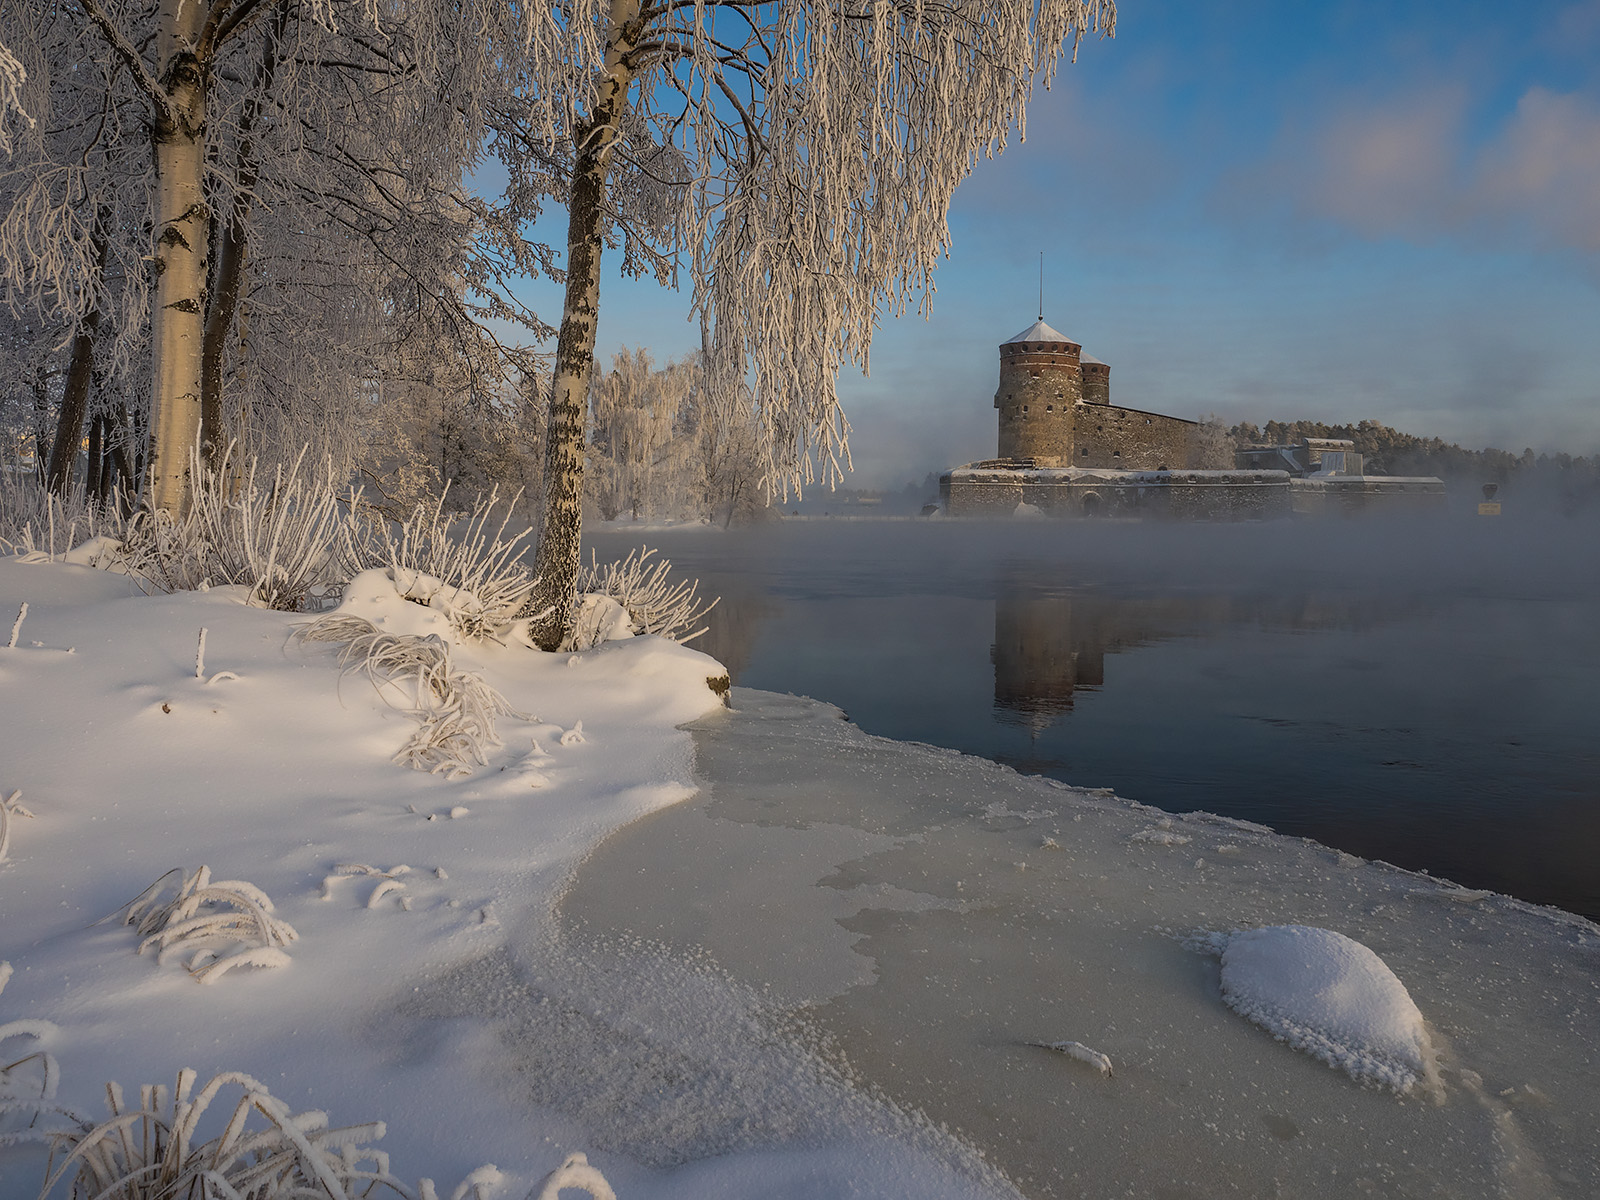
x=929, y=914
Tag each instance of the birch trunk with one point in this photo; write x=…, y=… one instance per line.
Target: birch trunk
x=556, y=562
x=177, y=317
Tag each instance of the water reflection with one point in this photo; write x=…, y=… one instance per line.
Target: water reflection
x=1045, y=648
x=1430, y=702
x=1048, y=644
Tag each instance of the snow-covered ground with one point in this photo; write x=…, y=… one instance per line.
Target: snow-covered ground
x=889, y=927
x=430, y=992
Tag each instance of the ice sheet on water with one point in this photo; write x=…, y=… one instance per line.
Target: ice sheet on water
x=804, y=818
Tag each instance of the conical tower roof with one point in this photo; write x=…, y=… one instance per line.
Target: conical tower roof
x=1040, y=332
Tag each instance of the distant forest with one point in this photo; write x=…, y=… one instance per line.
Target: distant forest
x=1570, y=483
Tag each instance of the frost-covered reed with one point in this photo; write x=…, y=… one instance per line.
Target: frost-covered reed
x=279, y=533
x=655, y=602
x=150, y=1150
x=34, y=520
x=475, y=556
x=455, y=709
x=219, y=925
x=10, y=809
x=12, y=1076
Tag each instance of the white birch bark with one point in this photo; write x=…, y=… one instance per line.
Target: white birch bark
x=177, y=314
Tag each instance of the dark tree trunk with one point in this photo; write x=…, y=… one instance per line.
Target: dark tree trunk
x=230, y=249
x=92, y=484
x=561, y=535
x=74, y=403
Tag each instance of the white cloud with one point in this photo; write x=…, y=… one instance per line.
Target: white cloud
x=1544, y=168
x=1408, y=166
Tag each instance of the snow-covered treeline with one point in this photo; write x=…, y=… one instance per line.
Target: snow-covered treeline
x=250, y=221
x=659, y=447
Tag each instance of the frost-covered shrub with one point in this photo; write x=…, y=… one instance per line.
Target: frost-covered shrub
x=471, y=562
x=456, y=709
x=34, y=520
x=597, y=618
x=152, y=1151
x=280, y=535
x=654, y=602
x=219, y=925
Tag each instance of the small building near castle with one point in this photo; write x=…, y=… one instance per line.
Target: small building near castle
x=1066, y=450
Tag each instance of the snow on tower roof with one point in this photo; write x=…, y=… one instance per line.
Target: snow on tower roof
x=1039, y=332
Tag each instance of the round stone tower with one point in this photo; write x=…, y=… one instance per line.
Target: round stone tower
x=1096, y=380
x=1040, y=386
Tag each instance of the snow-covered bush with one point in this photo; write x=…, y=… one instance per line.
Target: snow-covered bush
x=471, y=563
x=149, y=1151
x=219, y=925
x=456, y=709
x=654, y=602
x=34, y=520
x=597, y=618
x=279, y=535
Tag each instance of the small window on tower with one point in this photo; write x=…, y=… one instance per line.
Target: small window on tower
x=1116, y=454
x=1084, y=452
x=1049, y=408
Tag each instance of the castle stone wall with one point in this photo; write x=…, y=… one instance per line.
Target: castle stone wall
x=1206, y=495
x=1355, y=495
x=1109, y=437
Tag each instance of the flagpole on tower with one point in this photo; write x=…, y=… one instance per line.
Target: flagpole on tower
x=1041, y=285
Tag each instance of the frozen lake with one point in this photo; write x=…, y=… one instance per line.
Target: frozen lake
x=1423, y=694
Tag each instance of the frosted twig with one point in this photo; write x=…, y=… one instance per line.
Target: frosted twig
x=576, y=1172
x=10, y=807
x=16, y=627
x=35, y=1029
x=200, y=656
x=1080, y=1052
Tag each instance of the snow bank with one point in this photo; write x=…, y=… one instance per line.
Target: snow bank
x=1331, y=997
x=427, y=987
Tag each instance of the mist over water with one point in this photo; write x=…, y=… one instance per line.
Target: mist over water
x=1420, y=692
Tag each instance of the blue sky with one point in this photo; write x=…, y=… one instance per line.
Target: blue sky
x=1267, y=208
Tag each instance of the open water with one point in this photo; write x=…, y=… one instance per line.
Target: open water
x=1426, y=694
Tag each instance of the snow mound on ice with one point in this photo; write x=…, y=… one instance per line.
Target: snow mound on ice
x=1331, y=997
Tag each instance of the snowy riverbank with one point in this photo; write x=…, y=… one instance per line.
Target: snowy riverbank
x=450, y=1001
x=277, y=772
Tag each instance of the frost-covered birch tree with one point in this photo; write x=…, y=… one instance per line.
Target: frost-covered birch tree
x=799, y=156
x=301, y=170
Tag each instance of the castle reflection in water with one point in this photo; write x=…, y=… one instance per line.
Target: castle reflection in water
x=1049, y=645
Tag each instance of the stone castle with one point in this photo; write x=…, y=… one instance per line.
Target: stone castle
x=1055, y=411
x=1066, y=450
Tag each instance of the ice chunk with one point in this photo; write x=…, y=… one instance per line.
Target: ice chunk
x=1330, y=996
